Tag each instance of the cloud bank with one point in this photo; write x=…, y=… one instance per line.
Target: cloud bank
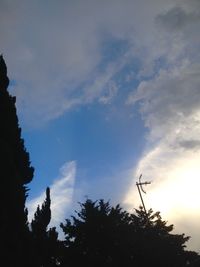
x=169, y=106
x=60, y=57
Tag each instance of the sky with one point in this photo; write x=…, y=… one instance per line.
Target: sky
x=106, y=91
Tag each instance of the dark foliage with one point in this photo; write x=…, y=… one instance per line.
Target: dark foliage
x=15, y=173
x=45, y=242
x=19, y=245
x=101, y=235
x=42, y=217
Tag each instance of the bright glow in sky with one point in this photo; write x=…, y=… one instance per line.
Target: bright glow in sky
x=107, y=90
x=174, y=190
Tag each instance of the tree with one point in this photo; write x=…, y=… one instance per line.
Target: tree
x=15, y=174
x=19, y=245
x=42, y=217
x=159, y=246
x=45, y=242
x=101, y=235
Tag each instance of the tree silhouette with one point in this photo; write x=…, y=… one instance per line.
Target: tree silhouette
x=101, y=235
x=159, y=246
x=42, y=217
x=20, y=246
x=45, y=242
x=15, y=173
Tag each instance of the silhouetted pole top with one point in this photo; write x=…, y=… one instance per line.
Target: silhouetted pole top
x=140, y=188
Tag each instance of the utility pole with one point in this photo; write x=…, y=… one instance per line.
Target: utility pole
x=140, y=190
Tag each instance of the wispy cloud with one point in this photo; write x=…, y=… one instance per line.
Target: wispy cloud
x=61, y=195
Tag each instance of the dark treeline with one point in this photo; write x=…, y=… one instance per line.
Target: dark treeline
x=98, y=235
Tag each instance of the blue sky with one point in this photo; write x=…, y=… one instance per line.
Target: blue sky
x=107, y=90
x=101, y=146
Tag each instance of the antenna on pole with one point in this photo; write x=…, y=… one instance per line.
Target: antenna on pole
x=140, y=188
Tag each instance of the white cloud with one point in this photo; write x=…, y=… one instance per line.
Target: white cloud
x=169, y=106
x=61, y=195
x=170, y=101
x=54, y=53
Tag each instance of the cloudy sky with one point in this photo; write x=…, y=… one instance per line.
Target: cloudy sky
x=107, y=90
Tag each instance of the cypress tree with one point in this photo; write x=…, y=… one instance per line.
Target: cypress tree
x=42, y=217
x=15, y=174
x=45, y=242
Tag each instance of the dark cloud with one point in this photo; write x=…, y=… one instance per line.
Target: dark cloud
x=177, y=18
x=190, y=144
x=174, y=19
